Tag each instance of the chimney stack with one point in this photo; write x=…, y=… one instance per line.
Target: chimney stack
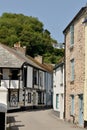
x=39, y=59
x=17, y=47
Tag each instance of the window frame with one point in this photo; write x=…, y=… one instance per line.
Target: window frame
x=41, y=78
x=72, y=35
x=61, y=80
x=29, y=97
x=57, y=101
x=35, y=76
x=72, y=61
x=72, y=104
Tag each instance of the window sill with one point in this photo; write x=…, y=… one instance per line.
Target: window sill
x=72, y=115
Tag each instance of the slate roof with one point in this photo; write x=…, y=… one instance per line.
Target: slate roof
x=82, y=10
x=48, y=67
x=60, y=63
x=10, y=58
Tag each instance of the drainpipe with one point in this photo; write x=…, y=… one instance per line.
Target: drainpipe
x=19, y=75
x=24, y=80
x=64, y=76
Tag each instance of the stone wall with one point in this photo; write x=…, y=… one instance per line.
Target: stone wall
x=77, y=52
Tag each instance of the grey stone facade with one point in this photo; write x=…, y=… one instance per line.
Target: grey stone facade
x=75, y=88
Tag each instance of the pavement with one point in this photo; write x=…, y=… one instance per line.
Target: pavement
x=38, y=120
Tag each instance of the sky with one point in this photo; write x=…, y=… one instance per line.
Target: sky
x=54, y=14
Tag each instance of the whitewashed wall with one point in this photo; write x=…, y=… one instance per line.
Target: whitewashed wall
x=3, y=96
x=58, y=88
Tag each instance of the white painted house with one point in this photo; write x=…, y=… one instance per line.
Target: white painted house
x=58, y=90
x=58, y=45
x=26, y=80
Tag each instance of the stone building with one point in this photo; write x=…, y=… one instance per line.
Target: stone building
x=75, y=69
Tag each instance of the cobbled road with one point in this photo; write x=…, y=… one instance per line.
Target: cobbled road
x=38, y=120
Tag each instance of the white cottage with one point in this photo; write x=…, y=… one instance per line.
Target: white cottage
x=24, y=78
x=58, y=90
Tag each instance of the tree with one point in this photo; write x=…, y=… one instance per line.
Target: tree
x=31, y=33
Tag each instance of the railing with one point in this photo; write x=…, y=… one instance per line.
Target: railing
x=41, y=88
x=11, y=84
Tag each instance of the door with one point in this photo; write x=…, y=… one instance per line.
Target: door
x=62, y=107
x=2, y=121
x=81, y=121
x=57, y=101
x=39, y=97
x=34, y=98
x=14, y=98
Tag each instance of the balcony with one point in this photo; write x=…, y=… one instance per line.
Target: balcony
x=12, y=84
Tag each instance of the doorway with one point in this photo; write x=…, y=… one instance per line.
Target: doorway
x=81, y=121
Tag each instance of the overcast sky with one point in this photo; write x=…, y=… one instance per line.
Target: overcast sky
x=54, y=14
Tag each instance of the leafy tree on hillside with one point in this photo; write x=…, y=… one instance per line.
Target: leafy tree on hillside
x=31, y=33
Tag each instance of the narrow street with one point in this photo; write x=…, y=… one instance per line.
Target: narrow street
x=38, y=120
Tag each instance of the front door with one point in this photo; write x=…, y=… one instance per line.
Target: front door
x=2, y=121
x=34, y=98
x=81, y=110
x=61, y=106
x=39, y=98
x=57, y=101
x=14, y=98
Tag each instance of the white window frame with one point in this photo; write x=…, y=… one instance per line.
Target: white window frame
x=71, y=35
x=72, y=104
x=57, y=101
x=72, y=69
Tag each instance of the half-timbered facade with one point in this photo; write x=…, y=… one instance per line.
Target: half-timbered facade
x=24, y=78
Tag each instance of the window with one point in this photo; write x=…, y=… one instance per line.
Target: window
x=72, y=35
x=72, y=104
x=29, y=97
x=61, y=80
x=57, y=101
x=25, y=76
x=1, y=77
x=14, y=73
x=72, y=70
x=1, y=74
x=5, y=74
x=35, y=77
x=39, y=98
x=41, y=78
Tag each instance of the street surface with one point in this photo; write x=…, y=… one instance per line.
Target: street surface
x=38, y=120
